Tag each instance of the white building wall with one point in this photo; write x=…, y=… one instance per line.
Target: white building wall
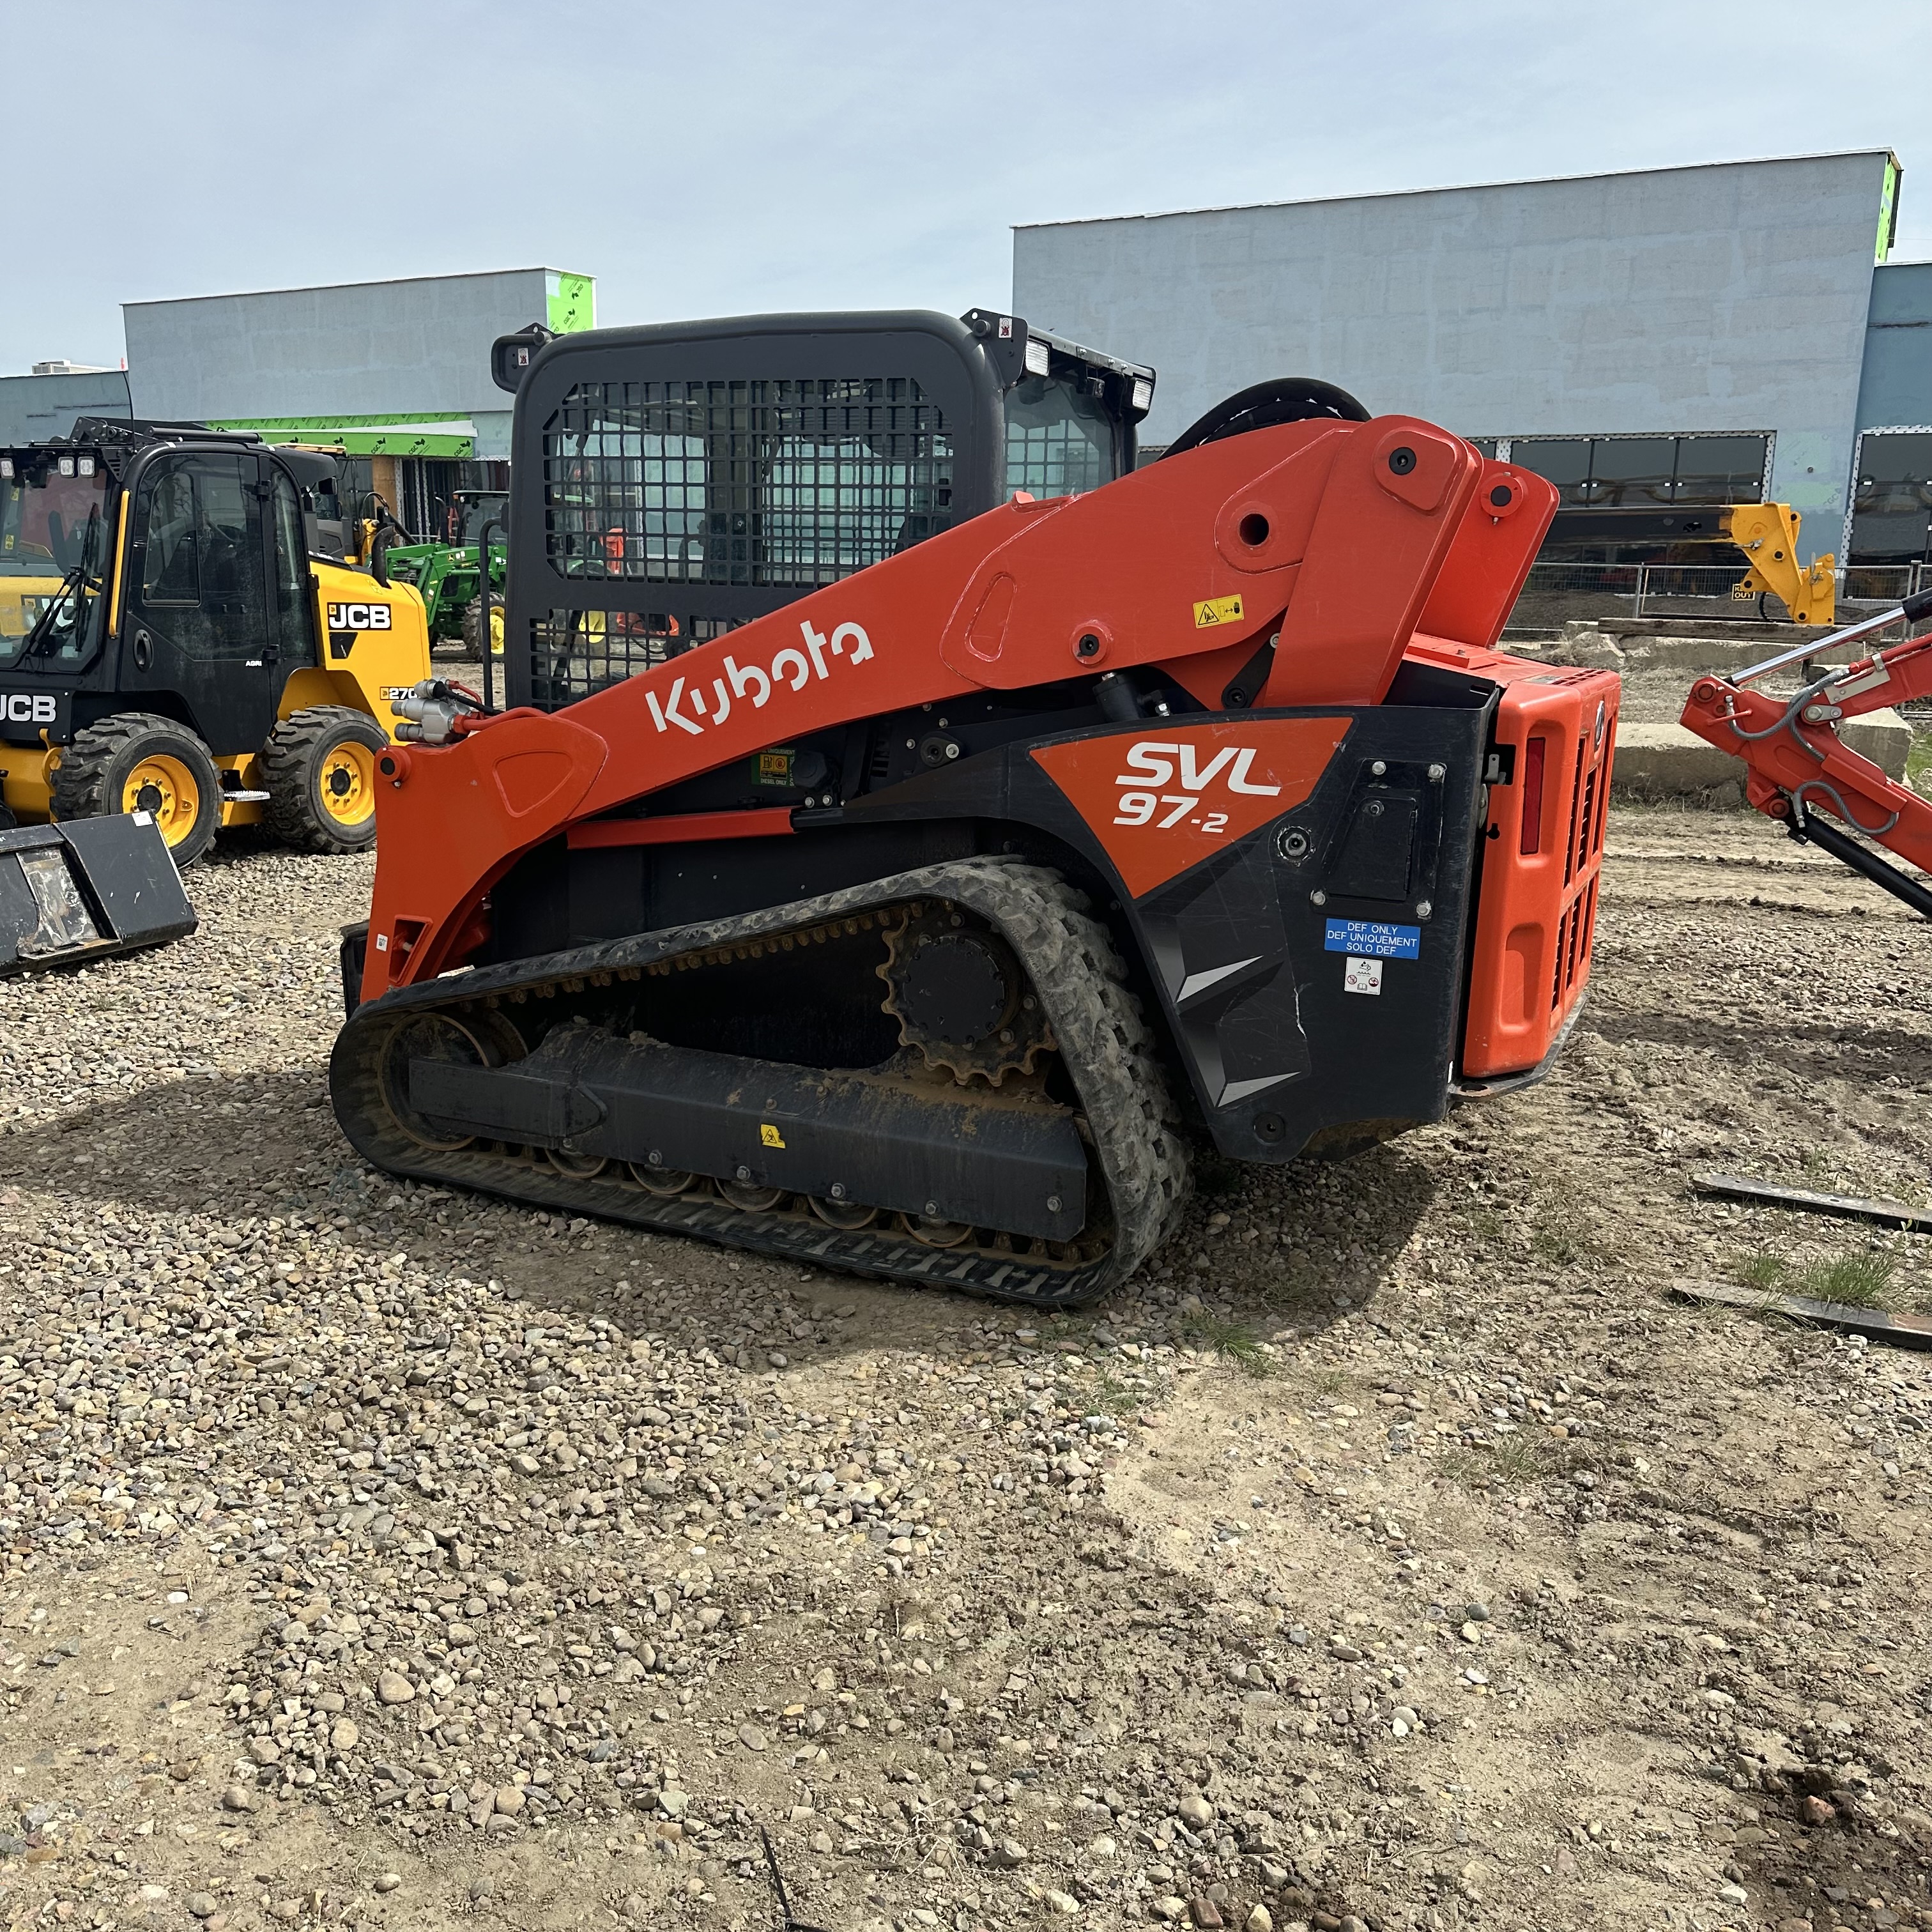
x=1726, y=298
x=417, y=348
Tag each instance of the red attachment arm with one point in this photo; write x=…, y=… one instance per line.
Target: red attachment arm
x=1792, y=750
x=1331, y=536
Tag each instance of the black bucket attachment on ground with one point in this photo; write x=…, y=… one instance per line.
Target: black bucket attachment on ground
x=86, y=889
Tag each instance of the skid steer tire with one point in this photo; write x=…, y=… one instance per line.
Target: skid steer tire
x=137, y=762
x=320, y=766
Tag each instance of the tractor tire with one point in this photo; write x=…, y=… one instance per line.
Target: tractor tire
x=137, y=762
x=320, y=767
x=481, y=620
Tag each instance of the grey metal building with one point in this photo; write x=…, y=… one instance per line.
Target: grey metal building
x=33, y=408
x=397, y=373
x=1682, y=333
x=1891, y=514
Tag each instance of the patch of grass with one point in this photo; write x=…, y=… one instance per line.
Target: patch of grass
x=1524, y=1457
x=1488, y=1224
x=1113, y=1397
x=1562, y=1233
x=1860, y=1281
x=1461, y=1464
x=1327, y=1382
x=1560, y=1242
x=1765, y=1271
x=1237, y=1342
x=1819, y=1168
x=1510, y=1462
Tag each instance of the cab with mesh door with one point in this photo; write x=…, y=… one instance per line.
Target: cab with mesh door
x=697, y=475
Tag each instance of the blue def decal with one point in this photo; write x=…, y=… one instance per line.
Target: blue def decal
x=1369, y=939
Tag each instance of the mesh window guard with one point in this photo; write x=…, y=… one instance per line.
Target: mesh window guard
x=787, y=485
x=575, y=652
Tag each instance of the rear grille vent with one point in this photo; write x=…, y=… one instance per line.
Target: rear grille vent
x=1575, y=798
x=1587, y=819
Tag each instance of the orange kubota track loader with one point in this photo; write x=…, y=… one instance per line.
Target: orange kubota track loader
x=1196, y=809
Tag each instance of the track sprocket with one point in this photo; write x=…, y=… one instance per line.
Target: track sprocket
x=961, y=996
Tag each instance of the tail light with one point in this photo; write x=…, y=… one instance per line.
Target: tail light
x=1532, y=794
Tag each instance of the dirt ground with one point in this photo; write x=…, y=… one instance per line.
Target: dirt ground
x=1396, y=1551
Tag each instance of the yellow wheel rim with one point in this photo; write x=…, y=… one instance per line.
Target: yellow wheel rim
x=165, y=788
x=346, y=783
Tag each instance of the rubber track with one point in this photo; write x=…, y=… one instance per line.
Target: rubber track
x=1103, y=1041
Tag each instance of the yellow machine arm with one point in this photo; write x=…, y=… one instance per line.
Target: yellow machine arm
x=1767, y=533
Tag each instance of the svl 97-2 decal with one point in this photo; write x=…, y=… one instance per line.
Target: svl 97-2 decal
x=1158, y=806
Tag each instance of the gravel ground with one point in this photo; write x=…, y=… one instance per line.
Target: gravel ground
x=1395, y=1553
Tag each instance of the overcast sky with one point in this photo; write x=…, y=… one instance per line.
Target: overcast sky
x=749, y=154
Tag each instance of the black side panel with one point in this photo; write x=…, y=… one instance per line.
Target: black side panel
x=1310, y=975
x=1310, y=982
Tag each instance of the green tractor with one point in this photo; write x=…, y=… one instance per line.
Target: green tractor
x=448, y=575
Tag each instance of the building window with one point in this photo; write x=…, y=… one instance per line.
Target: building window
x=788, y=485
x=1607, y=472
x=1891, y=497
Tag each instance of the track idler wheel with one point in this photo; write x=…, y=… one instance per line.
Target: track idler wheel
x=750, y=1198
x=848, y=1215
x=477, y=1039
x=934, y=1234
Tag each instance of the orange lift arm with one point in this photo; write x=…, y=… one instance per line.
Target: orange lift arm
x=1801, y=772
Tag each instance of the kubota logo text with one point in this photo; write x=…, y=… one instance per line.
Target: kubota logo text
x=791, y=666
x=1153, y=763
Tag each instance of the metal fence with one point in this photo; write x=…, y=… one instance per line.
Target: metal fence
x=1557, y=592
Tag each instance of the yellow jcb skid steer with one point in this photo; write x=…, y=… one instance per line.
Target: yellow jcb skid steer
x=174, y=641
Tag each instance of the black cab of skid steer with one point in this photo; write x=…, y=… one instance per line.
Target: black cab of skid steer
x=671, y=482
x=152, y=563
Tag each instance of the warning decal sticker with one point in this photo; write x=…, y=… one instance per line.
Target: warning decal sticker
x=1362, y=975
x=1217, y=610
